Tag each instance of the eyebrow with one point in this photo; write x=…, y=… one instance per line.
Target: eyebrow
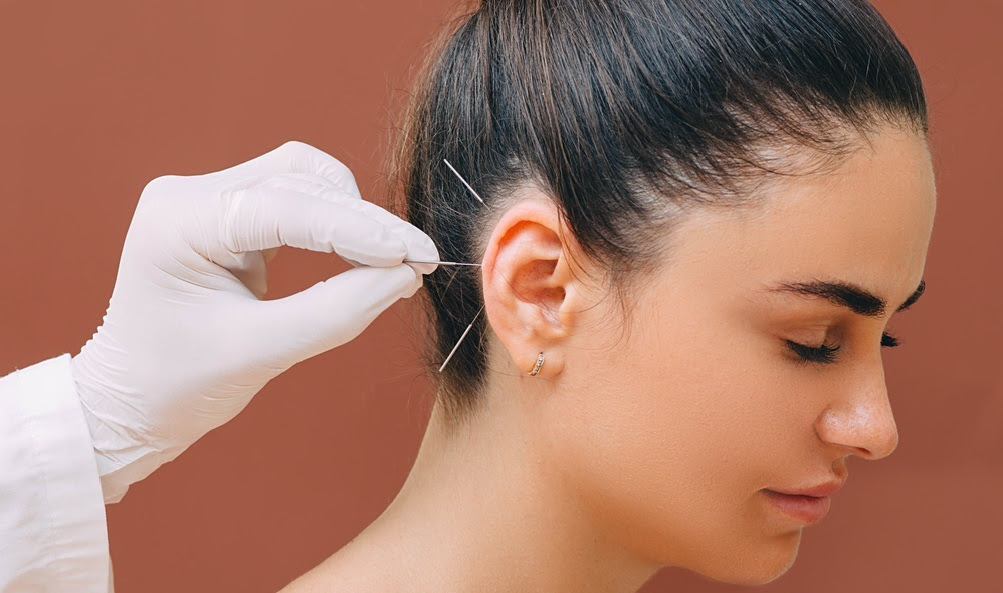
x=846, y=294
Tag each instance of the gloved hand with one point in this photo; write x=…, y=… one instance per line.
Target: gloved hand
x=186, y=341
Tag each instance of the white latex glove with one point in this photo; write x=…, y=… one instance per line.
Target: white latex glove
x=186, y=341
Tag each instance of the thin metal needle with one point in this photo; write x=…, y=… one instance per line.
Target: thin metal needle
x=460, y=341
x=455, y=172
x=441, y=263
x=466, y=331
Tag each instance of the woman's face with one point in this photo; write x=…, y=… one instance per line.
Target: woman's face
x=669, y=432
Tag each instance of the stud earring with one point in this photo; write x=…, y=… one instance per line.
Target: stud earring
x=539, y=364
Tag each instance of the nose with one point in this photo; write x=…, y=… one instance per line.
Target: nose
x=860, y=420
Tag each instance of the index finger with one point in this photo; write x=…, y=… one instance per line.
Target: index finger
x=295, y=157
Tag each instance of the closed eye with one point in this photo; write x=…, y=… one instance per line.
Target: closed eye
x=826, y=354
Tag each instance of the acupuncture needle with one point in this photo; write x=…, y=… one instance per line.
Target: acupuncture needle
x=453, y=263
x=441, y=263
x=460, y=341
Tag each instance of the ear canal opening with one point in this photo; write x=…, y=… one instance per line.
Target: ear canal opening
x=551, y=302
x=535, y=284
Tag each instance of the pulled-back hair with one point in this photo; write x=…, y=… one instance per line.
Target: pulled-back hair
x=625, y=114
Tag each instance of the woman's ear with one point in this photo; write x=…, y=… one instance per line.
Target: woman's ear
x=531, y=294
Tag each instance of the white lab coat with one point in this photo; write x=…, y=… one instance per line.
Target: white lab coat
x=53, y=533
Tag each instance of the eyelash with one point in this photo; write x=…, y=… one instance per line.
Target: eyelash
x=827, y=354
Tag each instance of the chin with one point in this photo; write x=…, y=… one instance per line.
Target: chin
x=758, y=566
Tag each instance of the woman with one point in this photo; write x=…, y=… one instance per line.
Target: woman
x=697, y=221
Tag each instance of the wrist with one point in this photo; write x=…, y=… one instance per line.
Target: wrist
x=123, y=456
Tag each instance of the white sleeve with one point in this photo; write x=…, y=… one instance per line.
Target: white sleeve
x=53, y=534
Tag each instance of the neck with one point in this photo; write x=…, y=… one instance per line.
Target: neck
x=482, y=511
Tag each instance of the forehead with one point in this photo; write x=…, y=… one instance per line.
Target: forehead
x=868, y=222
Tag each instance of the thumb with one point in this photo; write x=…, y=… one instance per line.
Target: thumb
x=260, y=218
x=333, y=312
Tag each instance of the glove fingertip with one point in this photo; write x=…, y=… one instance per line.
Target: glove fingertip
x=383, y=251
x=424, y=268
x=419, y=280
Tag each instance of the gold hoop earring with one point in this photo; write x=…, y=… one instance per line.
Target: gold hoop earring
x=539, y=364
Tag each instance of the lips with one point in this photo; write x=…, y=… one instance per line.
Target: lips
x=819, y=490
x=807, y=505
x=805, y=509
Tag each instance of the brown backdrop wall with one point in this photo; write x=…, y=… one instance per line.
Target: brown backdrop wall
x=98, y=98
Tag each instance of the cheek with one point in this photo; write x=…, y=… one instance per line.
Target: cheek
x=667, y=440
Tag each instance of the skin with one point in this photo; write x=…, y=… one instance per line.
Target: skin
x=637, y=449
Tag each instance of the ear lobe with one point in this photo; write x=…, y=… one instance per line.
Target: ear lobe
x=528, y=283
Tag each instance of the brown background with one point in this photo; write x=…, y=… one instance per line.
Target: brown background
x=100, y=97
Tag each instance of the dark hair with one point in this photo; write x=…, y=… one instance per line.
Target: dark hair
x=619, y=109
